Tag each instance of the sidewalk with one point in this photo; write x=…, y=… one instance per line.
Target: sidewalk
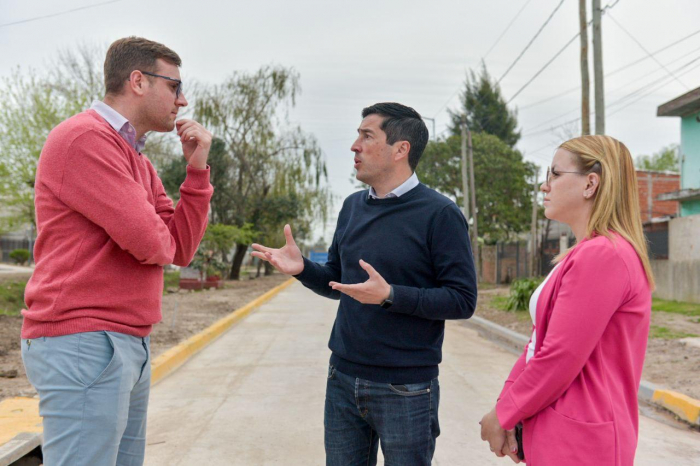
x=256, y=396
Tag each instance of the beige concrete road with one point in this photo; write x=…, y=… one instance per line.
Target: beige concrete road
x=256, y=395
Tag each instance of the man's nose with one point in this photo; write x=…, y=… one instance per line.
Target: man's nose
x=181, y=101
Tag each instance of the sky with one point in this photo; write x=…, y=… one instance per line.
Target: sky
x=352, y=54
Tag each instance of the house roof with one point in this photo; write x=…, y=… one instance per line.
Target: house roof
x=682, y=106
x=682, y=195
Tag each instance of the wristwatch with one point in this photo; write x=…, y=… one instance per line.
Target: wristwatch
x=386, y=304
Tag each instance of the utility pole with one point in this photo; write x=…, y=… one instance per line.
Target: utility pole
x=433, y=120
x=465, y=183
x=585, y=81
x=598, y=69
x=475, y=230
x=533, y=227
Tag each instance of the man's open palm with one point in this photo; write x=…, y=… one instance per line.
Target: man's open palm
x=287, y=259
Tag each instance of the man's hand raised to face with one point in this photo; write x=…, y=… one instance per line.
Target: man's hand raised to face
x=287, y=259
x=196, y=142
x=374, y=291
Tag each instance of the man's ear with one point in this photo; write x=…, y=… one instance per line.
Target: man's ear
x=137, y=82
x=401, y=150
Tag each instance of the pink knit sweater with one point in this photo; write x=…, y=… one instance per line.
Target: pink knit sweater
x=577, y=396
x=105, y=230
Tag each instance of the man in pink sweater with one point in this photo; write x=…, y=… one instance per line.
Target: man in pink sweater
x=105, y=229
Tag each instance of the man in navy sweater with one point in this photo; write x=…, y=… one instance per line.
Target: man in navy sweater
x=387, y=338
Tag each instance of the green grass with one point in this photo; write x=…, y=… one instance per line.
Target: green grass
x=171, y=280
x=675, y=307
x=12, y=297
x=500, y=302
x=667, y=334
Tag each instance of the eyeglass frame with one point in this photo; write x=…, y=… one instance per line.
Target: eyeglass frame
x=178, y=90
x=550, y=171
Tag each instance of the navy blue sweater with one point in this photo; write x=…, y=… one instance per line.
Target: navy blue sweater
x=419, y=243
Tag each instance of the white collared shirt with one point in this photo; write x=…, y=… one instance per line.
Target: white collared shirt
x=120, y=124
x=407, y=185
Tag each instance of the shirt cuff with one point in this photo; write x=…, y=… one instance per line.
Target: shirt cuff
x=508, y=413
x=405, y=299
x=197, y=178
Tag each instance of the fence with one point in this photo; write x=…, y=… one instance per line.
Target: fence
x=7, y=245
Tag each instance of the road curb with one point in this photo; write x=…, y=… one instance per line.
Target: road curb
x=20, y=423
x=176, y=356
x=686, y=408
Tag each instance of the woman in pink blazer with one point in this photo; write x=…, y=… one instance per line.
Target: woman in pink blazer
x=575, y=393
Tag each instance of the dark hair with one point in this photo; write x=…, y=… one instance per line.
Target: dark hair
x=133, y=53
x=402, y=123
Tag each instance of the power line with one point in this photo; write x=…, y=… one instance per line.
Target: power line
x=539, y=125
x=665, y=81
x=544, y=67
x=57, y=14
x=507, y=28
x=624, y=67
x=531, y=41
x=645, y=50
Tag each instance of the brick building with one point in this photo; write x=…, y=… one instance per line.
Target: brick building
x=651, y=184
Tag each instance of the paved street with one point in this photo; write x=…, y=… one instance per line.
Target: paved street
x=256, y=396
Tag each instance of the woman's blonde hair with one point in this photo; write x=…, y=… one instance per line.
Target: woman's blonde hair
x=616, y=203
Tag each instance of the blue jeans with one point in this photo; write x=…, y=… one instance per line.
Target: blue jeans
x=93, y=395
x=359, y=414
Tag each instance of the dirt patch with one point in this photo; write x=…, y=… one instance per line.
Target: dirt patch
x=670, y=363
x=184, y=314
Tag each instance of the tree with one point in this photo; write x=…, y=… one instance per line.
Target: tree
x=486, y=109
x=664, y=160
x=503, y=192
x=33, y=104
x=266, y=174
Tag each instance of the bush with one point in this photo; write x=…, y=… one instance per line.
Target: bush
x=520, y=292
x=20, y=256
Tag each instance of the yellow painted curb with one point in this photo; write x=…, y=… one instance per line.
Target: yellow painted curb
x=176, y=356
x=683, y=406
x=18, y=415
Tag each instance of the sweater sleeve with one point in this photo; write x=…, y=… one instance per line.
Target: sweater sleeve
x=98, y=182
x=453, y=265
x=188, y=221
x=593, y=287
x=316, y=276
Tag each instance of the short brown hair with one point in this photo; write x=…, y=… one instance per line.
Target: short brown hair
x=133, y=53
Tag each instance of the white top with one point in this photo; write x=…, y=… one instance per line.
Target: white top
x=533, y=315
x=405, y=187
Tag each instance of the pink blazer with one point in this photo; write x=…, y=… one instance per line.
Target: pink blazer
x=577, y=396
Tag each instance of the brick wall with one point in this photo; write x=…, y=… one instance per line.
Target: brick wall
x=660, y=183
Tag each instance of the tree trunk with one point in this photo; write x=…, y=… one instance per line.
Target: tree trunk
x=238, y=257
x=268, y=269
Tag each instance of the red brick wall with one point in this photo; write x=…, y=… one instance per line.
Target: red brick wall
x=661, y=183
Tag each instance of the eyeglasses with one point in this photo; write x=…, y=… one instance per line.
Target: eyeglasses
x=551, y=173
x=178, y=90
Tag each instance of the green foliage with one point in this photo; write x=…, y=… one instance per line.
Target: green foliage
x=20, y=256
x=520, y=292
x=503, y=192
x=171, y=279
x=499, y=302
x=485, y=109
x=264, y=172
x=667, y=334
x=12, y=297
x=33, y=103
x=664, y=160
x=675, y=307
